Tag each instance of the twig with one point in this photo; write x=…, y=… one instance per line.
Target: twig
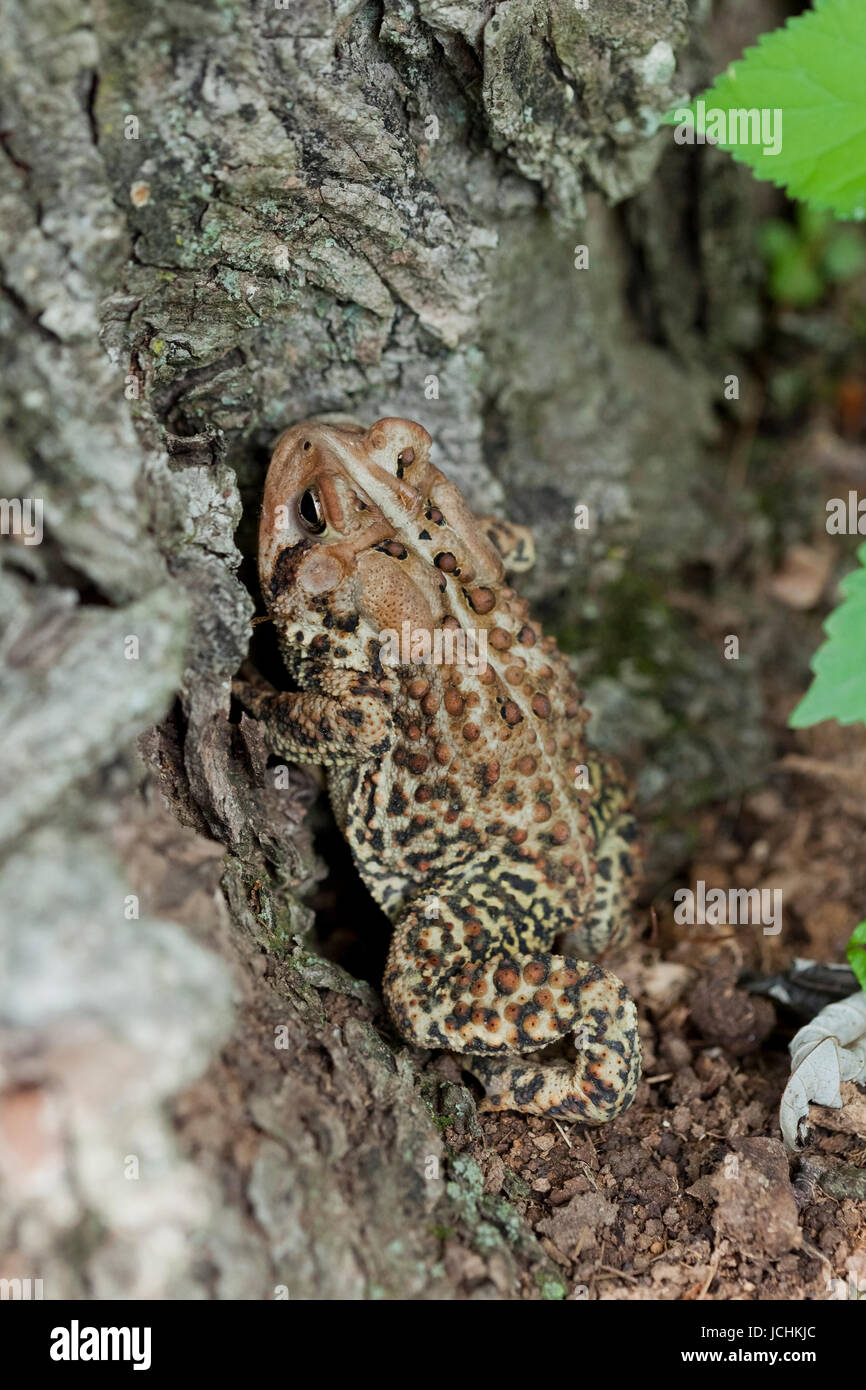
x=563, y=1133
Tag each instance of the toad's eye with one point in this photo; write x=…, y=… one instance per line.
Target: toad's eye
x=404, y=458
x=311, y=514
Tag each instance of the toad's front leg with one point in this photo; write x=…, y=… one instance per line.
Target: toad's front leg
x=347, y=719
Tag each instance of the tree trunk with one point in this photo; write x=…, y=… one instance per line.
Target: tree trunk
x=216, y=220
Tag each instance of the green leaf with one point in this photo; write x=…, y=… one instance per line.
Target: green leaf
x=856, y=953
x=845, y=255
x=813, y=223
x=794, y=280
x=777, y=238
x=812, y=72
x=839, y=688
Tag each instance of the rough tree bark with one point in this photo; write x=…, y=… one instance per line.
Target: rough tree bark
x=216, y=219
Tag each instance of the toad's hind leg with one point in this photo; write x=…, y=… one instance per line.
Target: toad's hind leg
x=559, y=1089
x=448, y=986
